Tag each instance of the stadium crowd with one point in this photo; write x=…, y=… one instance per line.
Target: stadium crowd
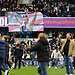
x=50, y=8
x=16, y=52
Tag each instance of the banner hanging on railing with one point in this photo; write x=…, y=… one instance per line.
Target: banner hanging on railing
x=28, y=21
x=21, y=18
x=59, y=22
x=15, y=21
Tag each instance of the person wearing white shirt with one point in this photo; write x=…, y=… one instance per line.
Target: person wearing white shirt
x=55, y=56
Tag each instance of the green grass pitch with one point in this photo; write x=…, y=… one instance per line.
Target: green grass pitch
x=33, y=71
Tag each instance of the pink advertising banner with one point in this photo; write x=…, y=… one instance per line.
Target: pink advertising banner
x=59, y=22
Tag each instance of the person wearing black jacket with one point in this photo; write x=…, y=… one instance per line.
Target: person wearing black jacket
x=18, y=55
x=42, y=49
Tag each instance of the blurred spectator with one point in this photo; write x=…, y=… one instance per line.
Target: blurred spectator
x=17, y=8
x=4, y=54
x=18, y=55
x=55, y=57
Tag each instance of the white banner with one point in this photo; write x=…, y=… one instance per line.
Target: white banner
x=31, y=22
x=3, y=21
x=21, y=18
